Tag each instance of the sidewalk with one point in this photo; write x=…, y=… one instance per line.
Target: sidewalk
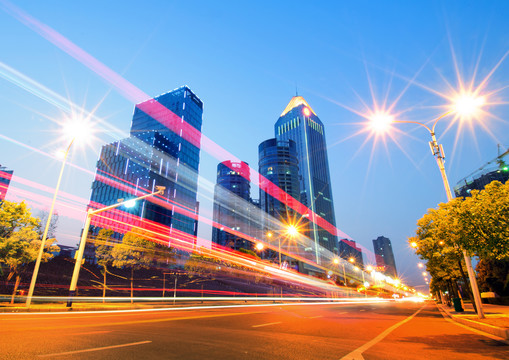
x=496, y=321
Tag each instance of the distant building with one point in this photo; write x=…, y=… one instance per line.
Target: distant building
x=232, y=213
x=348, y=249
x=163, y=150
x=495, y=170
x=5, y=180
x=299, y=123
x=384, y=256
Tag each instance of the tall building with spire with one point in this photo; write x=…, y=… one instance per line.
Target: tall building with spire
x=298, y=122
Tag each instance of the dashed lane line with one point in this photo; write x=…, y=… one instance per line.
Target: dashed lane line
x=357, y=353
x=268, y=324
x=94, y=349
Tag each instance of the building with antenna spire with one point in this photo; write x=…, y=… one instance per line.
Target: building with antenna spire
x=299, y=122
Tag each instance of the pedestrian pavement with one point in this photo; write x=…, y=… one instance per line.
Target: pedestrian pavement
x=496, y=321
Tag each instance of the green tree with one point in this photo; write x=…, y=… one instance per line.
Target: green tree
x=134, y=252
x=485, y=222
x=103, y=253
x=20, y=240
x=438, y=240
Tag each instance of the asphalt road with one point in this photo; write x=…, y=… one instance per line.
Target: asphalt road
x=402, y=330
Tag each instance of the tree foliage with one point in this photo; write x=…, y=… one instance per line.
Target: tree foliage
x=478, y=225
x=20, y=239
x=485, y=222
x=103, y=253
x=134, y=252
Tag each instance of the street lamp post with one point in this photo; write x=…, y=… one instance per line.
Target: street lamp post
x=81, y=249
x=46, y=229
x=438, y=152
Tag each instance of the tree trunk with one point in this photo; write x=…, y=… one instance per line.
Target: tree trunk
x=467, y=285
x=104, y=283
x=132, y=276
x=16, y=284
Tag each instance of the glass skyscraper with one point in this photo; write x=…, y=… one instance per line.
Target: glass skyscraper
x=278, y=163
x=299, y=123
x=163, y=150
x=384, y=256
x=232, y=210
x=5, y=180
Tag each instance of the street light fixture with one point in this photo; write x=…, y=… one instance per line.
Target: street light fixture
x=81, y=249
x=465, y=105
x=356, y=268
x=75, y=130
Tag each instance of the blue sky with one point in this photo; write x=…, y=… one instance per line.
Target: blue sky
x=245, y=60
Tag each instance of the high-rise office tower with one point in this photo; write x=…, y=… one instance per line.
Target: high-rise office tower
x=278, y=163
x=232, y=208
x=5, y=180
x=384, y=256
x=299, y=123
x=163, y=150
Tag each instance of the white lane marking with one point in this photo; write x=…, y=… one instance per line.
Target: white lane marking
x=268, y=324
x=343, y=312
x=90, y=332
x=96, y=349
x=315, y=317
x=357, y=353
x=362, y=310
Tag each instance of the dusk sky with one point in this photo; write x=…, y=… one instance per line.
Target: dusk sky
x=245, y=62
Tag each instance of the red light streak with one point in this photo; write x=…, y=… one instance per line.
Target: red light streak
x=159, y=112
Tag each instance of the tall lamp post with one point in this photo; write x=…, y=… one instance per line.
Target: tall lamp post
x=356, y=268
x=465, y=105
x=74, y=130
x=83, y=240
x=291, y=230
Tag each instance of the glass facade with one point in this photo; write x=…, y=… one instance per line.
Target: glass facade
x=5, y=180
x=232, y=213
x=384, y=256
x=278, y=163
x=299, y=123
x=495, y=170
x=163, y=150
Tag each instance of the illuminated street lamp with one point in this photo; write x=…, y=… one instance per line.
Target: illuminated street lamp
x=466, y=105
x=356, y=268
x=352, y=260
x=259, y=246
x=336, y=262
x=420, y=265
x=75, y=130
x=83, y=240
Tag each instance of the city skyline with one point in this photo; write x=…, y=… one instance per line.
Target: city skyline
x=373, y=183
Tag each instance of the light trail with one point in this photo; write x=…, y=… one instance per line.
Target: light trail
x=301, y=302
x=158, y=111
x=161, y=114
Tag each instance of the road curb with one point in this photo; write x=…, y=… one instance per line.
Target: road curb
x=487, y=328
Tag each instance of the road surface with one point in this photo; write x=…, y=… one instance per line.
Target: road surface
x=391, y=330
